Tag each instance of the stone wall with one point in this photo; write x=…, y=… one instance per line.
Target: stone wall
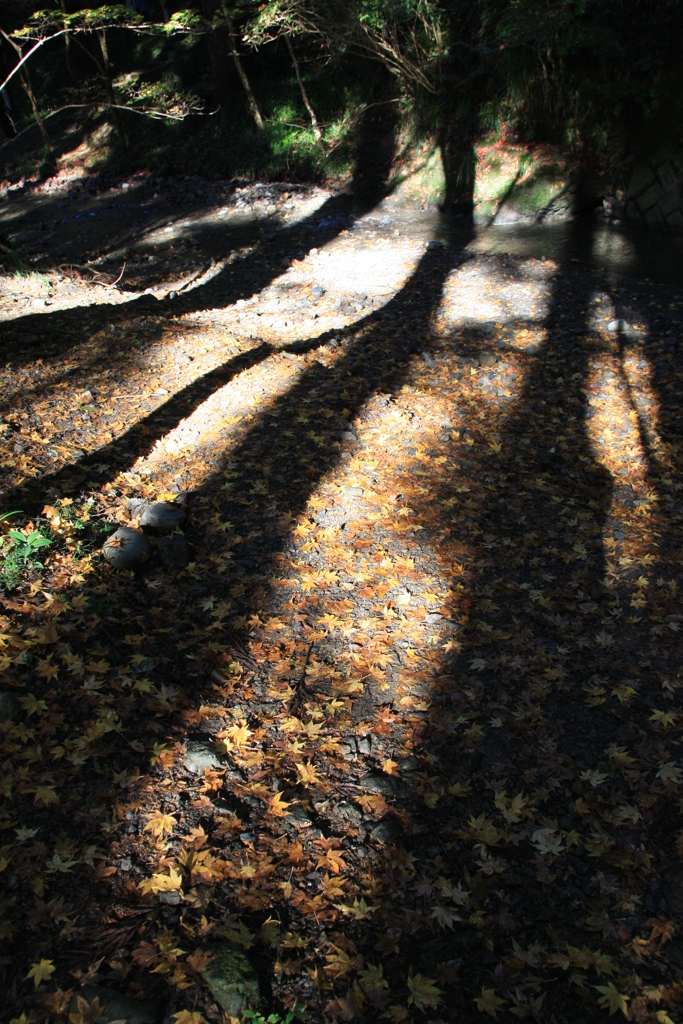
x=654, y=197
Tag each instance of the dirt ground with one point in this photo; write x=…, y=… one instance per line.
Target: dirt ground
x=404, y=729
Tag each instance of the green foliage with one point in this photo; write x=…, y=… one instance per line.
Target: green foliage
x=18, y=550
x=597, y=79
x=296, y=1013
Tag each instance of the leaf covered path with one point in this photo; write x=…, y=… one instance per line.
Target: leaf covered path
x=406, y=729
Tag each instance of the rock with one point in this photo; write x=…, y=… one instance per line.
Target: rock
x=487, y=359
x=317, y=291
x=136, y=506
x=433, y=618
x=619, y=535
x=350, y=813
x=617, y=326
x=298, y=816
x=127, y=548
x=232, y=980
x=163, y=516
x=386, y=831
x=356, y=491
x=173, y=295
x=8, y=707
x=118, y=1007
x=434, y=244
x=428, y=359
x=171, y=899
x=173, y=551
x=199, y=756
x=377, y=784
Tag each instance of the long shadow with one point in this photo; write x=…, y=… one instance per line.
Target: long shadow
x=62, y=329
x=140, y=438
x=523, y=725
x=379, y=357
x=538, y=642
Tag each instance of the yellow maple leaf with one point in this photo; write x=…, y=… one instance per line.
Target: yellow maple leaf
x=359, y=909
x=42, y=971
x=32, y=706
x=188, y=1017
x=158, y=823
x=239, y=734
x=307, y=774
x=612, y=999
x=278, y=806
x=161, y=883
x=47, y=669
x=489, y=1002
x=424, y=993
x=45, y=795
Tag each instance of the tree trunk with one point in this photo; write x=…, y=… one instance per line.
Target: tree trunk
x=28, y=89
x=106, y=63
x=67, y=47
x=251, y=99
x=218, y=44
x=25, y=79
x=304, y=96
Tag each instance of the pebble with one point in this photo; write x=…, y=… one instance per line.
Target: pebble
x=350, y=813
x=171, y=899
x=173, y=552
x=163, y=516
x=377, y=784
x=136, y=506
x=127, y=548
x=199, y=756
x=386, y=831
x=487, y=359
x=317, y=291
x=428, y=359
x=617, y=326
x=298, y=816
x=434, y=244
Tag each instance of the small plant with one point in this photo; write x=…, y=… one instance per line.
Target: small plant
x=296, y=1013
x=26, y=544
x=18, y=551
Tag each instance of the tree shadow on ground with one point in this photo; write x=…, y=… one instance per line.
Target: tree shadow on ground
x=497, y=830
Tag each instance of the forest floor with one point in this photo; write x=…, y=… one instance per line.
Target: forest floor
x=403, y=738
